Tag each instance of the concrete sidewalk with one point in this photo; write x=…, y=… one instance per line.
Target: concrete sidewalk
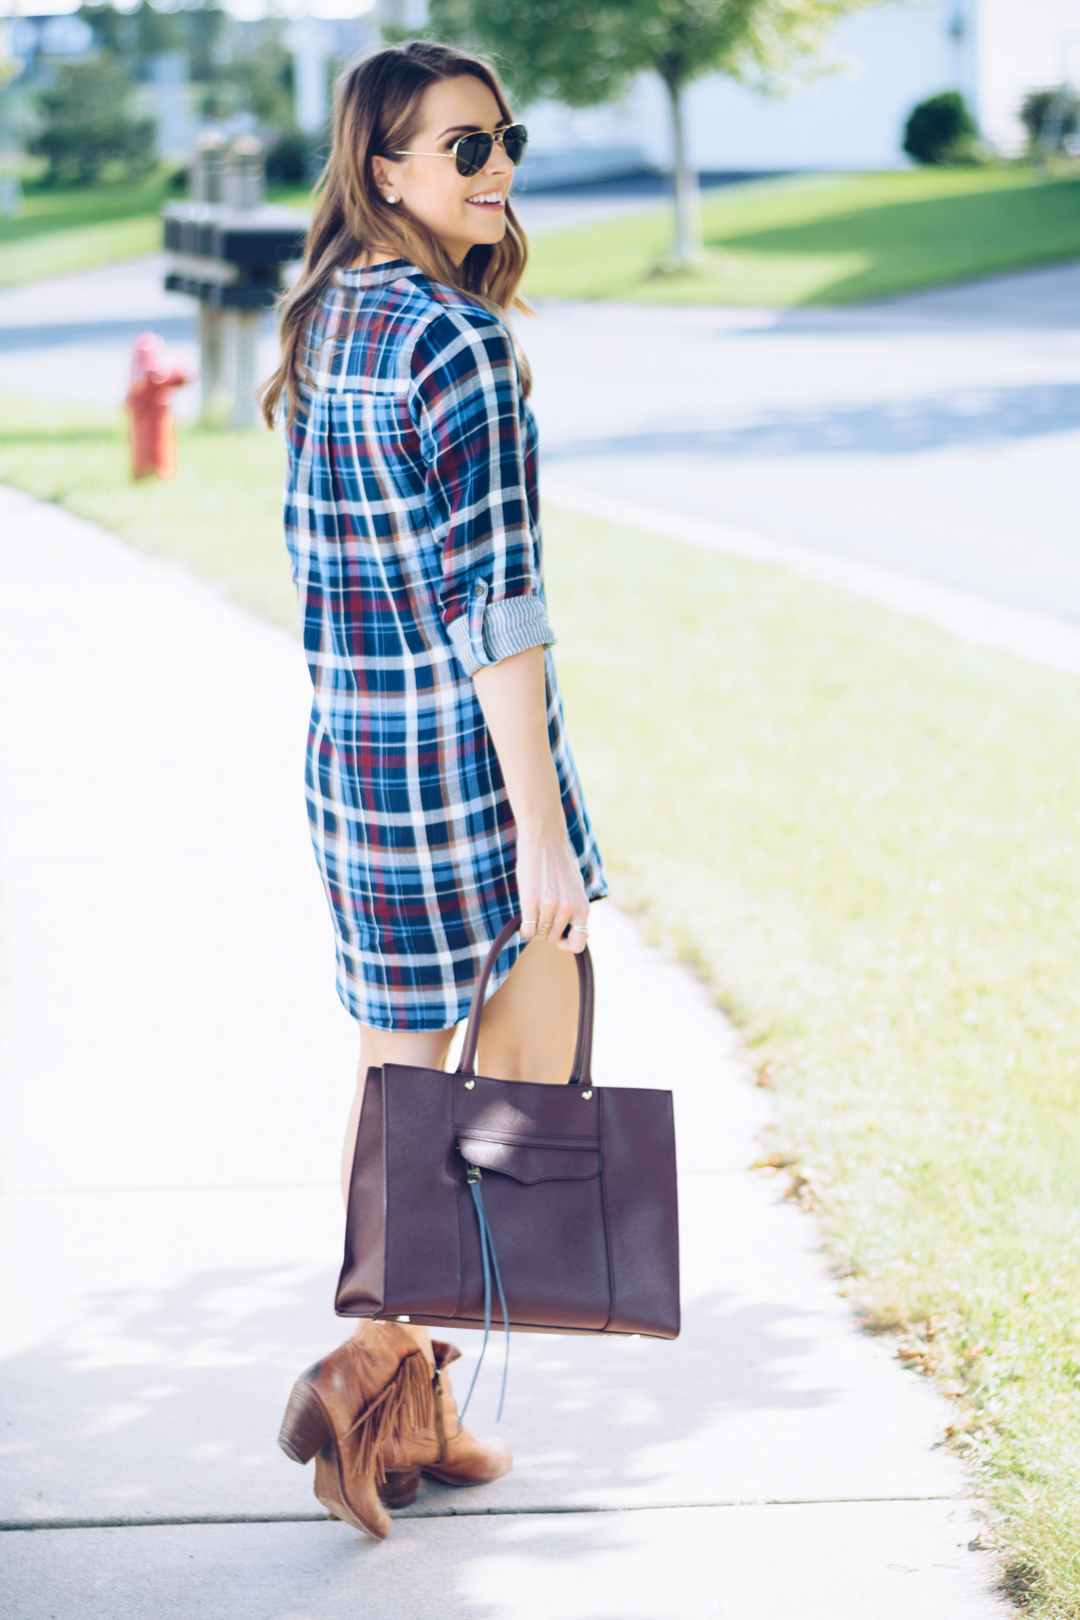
x=176, y=1070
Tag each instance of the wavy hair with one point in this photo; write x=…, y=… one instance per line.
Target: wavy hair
x=376, y=111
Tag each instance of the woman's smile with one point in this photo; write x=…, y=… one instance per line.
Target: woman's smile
x=487, y=199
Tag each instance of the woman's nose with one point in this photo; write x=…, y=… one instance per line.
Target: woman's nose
x=498, y=163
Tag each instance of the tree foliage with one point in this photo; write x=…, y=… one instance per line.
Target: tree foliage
x=257, y=79
x=581, y=55
x=86, y=125
x=133, y=37
x=239, y=67
x=585, y=55
x=207, y=34
x=202, y=29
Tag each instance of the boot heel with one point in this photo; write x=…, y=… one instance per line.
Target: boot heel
x=305, y=1428
x=401, y=1488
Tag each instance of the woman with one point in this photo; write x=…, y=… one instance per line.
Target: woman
x=441, y=792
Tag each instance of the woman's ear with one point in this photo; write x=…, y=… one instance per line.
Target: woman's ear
x=380, y=173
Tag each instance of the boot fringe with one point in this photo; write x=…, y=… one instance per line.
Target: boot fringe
x=405, y=1408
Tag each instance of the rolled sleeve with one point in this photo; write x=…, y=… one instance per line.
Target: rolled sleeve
x=488, y=632
x=465, y=400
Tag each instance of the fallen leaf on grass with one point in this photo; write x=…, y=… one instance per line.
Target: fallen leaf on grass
x=773, y=1161
x=914, y=1353
x=805, y=1189
x=911, y=1350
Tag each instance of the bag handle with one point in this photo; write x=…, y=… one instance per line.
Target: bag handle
x=581, y=1072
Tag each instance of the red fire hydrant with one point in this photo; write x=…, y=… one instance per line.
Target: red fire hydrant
x=153, y=429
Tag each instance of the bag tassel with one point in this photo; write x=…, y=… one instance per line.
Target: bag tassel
x=405, y=1408
x=490, y=1264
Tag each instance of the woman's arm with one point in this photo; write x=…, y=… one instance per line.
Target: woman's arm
x=513, y=696
x=465, y=399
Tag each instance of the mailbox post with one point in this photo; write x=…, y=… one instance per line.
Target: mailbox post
x=227, y=248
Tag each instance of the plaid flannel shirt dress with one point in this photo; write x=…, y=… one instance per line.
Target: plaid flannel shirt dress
x=412, y=521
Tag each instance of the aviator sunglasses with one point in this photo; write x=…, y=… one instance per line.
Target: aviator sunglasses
x=471, y=152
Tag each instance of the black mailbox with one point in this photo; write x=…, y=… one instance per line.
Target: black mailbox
x=228, y=256
x=229, y=249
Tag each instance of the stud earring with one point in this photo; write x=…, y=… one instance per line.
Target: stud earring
x=390, y=198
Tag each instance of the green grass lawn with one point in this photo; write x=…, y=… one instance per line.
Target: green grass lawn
x=809, y=239
x=823, y=239
x=222, y=512
x=866, y=837
x=66, y=228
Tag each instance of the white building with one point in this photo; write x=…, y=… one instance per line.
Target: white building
x=887, y=59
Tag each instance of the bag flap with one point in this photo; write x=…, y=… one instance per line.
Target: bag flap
x=522, y=1111
x=532, y=1161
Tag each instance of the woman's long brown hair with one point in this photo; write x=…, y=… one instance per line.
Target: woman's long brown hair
x=376, y=109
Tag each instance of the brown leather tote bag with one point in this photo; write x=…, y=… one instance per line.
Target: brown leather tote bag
x=564, y=1194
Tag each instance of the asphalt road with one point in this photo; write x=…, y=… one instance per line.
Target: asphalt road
x=936, y=435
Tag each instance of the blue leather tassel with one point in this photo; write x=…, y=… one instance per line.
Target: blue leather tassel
x=490, y=1264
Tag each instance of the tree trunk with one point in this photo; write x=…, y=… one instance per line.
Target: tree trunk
x=687, y=246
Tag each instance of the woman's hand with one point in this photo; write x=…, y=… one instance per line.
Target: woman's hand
x=513, y=696
x=550, y=889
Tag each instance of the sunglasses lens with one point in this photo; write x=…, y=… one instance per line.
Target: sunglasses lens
x=515, y=140
x=472, y=152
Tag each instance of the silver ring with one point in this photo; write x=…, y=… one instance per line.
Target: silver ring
x=579, y=928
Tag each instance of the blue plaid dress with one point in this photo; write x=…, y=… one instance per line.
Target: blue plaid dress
x=412, y=521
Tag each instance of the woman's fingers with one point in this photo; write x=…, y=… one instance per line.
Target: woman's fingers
x=563, y=912
x=551, y=894
x=530, y=909
x=578, y=936
x=547, y=916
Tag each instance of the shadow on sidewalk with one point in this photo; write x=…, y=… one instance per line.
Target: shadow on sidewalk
x=166, y=1404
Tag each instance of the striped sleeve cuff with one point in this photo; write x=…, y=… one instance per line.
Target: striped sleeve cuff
x=491, y=631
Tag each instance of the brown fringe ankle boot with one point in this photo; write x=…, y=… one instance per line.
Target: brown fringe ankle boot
x=440, y=1449
x=372, y=1392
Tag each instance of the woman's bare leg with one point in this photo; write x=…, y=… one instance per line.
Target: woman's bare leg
x=529, y=1026
x=422, y=1049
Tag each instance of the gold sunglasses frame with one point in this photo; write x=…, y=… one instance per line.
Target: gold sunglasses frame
x=496, y=140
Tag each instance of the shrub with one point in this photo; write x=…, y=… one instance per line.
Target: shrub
x=295, y=157
x=1043, y=109
x=941, y=130
x=86, y=125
